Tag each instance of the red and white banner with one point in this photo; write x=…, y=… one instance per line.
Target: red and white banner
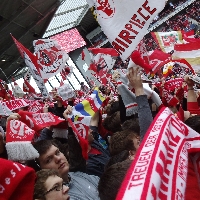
x=38, y=121
x=51, y=58
x=36, y=107
x=125, y=22
x=190, y=52
x=167, y=40
x=159, y=170
x=15, y=104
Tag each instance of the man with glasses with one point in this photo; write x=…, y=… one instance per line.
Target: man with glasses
x=49, y=186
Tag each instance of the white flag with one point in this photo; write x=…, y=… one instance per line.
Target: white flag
x=125, y=22
x=51, y=58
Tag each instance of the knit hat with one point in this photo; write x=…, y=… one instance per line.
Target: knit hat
x=128, y=98
x=18, y=141
x=16, y=182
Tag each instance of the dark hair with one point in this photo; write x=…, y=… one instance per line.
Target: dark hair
x=42, y=176
x=111, y=180
x=121, y=141
x=194, y=123
x=112, y=123
x=42, y=147
x=122, y=156
x=132, y=125
x=114, y=107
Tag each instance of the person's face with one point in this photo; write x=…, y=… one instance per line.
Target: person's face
x=54, y=159
x=58, y=192
x=136, y=142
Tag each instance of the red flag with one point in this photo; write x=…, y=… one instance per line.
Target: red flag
x=61, y=83
x=28, y=88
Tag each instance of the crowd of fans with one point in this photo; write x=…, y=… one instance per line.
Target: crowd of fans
x=193, y=10
x=112, y=143
x=169, y=8
x=68, y=167
x=179, y=22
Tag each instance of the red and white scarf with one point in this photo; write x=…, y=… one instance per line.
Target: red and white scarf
x=38, y=121
x=159, y=170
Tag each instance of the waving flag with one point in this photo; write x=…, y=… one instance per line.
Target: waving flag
x=31, y=62
x=66, y=72
x=100, y=61
x=125, y=22
x=159, y=170
x=51, y=58
x=167, y=40
x=81, y=116
x=190, y=52
x=29, y=88
x=27, y=78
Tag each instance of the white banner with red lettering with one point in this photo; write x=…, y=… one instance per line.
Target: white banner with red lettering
x=159, y=170
x=126, y=22
x=15, y=104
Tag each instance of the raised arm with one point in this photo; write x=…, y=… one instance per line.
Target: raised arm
x=144, y=111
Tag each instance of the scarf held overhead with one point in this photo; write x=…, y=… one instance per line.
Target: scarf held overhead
x=81, y=116
x=159, y=170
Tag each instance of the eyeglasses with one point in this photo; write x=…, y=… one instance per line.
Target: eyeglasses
x=56, y=188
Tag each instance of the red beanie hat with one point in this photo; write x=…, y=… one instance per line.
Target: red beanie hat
x=16, y=182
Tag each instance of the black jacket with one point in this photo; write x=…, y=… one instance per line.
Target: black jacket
x=96, y=162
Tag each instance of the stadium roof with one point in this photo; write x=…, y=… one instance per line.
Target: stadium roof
x=68, y=15
x=26, y=20
x=29, y=20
